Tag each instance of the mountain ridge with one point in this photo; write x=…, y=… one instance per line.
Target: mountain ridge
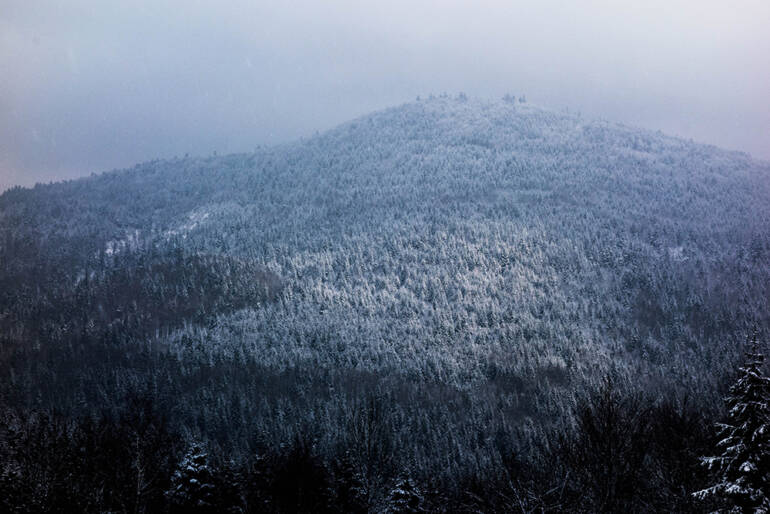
x=433, y=105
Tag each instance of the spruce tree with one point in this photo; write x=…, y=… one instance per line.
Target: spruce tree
x=192, y=485
x=405, y=497
x=744, y=466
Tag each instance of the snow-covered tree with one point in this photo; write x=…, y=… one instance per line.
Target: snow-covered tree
x=405, y=497
x=192, y=486
x=744, y=465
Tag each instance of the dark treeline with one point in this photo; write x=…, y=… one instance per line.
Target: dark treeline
x=625, y=452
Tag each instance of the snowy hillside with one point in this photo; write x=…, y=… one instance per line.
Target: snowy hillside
x=473, y=262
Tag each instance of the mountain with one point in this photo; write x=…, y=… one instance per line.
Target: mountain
x=473, y=263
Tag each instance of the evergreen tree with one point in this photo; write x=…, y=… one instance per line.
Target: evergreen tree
x=405, y=497
x=192, y=486
x=744, y=465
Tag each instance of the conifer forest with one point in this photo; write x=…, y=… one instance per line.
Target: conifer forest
x=452, y=305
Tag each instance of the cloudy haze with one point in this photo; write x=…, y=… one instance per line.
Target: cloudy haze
x=86, y=87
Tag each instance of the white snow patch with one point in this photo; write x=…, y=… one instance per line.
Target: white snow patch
x=130, y=241
x=676, y=253
x=194, y=220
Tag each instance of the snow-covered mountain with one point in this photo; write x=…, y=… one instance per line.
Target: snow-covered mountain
x=443, y=238
x=445, y=252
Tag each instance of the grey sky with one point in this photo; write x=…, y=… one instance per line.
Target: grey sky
x=91, y=85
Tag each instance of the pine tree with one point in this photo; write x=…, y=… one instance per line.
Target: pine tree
x=405, y=497
x=192, y=485
x=744, y=465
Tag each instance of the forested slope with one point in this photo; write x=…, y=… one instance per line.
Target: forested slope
x=459, y=268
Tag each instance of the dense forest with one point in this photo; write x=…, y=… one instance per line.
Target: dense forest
x=452, y=305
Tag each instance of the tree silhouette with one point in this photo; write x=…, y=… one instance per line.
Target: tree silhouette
x=744, y=465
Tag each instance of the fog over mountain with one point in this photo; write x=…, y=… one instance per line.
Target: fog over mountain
x=90, y=86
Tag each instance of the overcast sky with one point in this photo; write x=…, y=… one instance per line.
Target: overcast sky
x=92, y=85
